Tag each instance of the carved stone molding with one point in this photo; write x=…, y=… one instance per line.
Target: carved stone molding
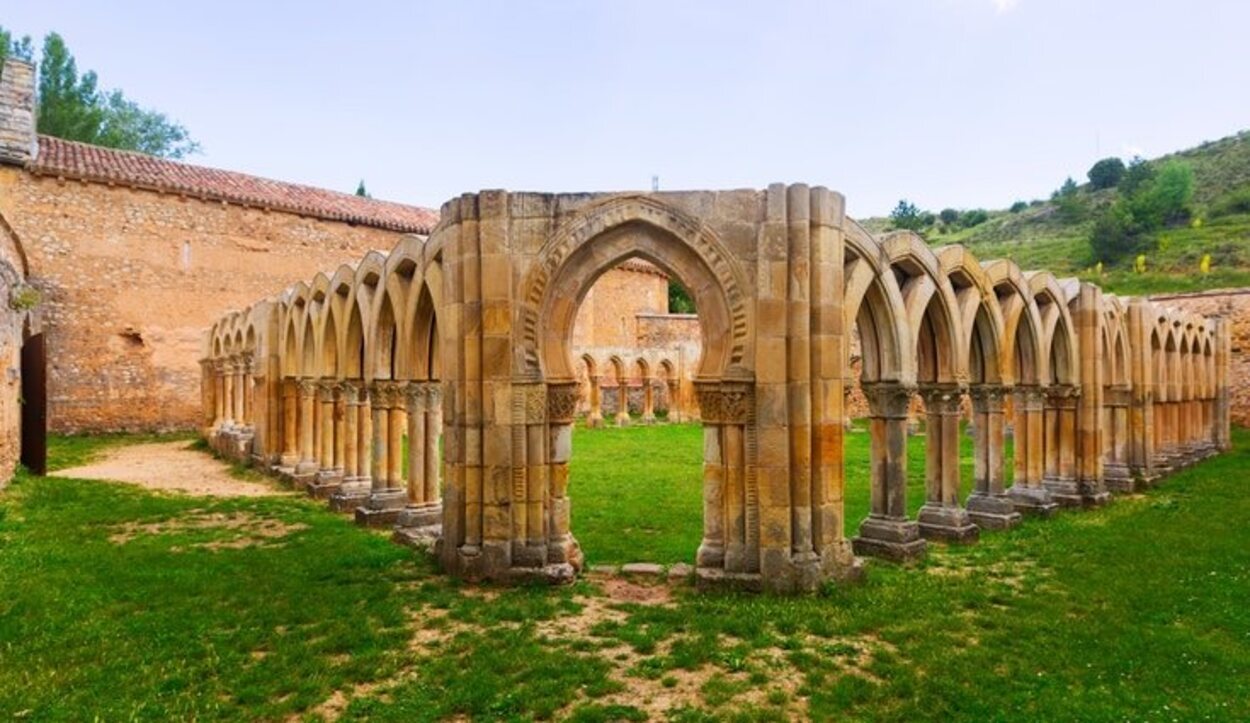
x=889, y=400
x=988, y=397
x=941, y=398
x=724, y=402
x=307, y=387
x=562, y=402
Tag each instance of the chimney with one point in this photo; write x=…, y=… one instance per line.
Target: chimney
x=18, y=141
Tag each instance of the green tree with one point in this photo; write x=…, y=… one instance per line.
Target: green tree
x=73, y=106
x=949, y=216
x=1069, y=202
x=361, y=190
x=1106, y=173
x=20, y=48
x=906, y=216
x=1139, y=173
x=679, y=301
x=975, y=217
x=1158, y=198
x=1019, y=206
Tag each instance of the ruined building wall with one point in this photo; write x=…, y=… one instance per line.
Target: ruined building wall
x=1234, y=306
x=129, y=279
x=11, y=322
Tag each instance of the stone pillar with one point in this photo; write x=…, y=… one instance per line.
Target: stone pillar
x=648, y=401
x=356, y=486
x=247, y=367
x=227, y=375
x=941, y=517
x=1061, y=480
x=208, y=393
x=595, y=418
x=1027, y=493
x=307, y=461
x=338, y=459
x=988, y=505
x=1141, y=422
x=622, y=401
x=217, y=369
x=290, y=423
x=674, y=402
x=240, y=417
x=562, y=547
x=388, y=496
x=730, y=542
x=1116, y=471
x=330, y=472
x=1223, y=355
x=887, y=532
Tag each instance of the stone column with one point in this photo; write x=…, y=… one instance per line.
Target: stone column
x=648, y=401
x=1061, y=406
x=338, y=459
x=245, y=377
x=329, y=473
x=219, y=393
x=208, y=393
x=307, y=461
x=729, y=541
x=1027, y=493
x=988, y=505
x=941, y=517
x=387, y=496
x=887, y=532
x=227, y=372
x=290, y=423
x=1140, y=437
x=674, y=401
x=595, y=418
x=355, y=488
x=562, y=547
x=622, y=401
x=240, y=418
x=1116, y=469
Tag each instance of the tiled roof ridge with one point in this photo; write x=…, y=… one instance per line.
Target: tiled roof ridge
x=73, y=159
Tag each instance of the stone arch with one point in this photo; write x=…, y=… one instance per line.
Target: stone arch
x=930, y=306
x=600, y=237
x=980, y=317
x=873, y=304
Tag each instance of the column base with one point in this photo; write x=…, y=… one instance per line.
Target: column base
x=427, y=515
x=382, y=508
x=1032, y=500
x=992, y=511
x=622, y=420
x=1117, y=478
x=897, y=540
x=648, y=419
x=325, y=483
x=1064, y=491
x=352, y=493
x=594, y=420
x=949, y=524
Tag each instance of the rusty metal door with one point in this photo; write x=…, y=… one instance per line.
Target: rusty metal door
x=34, y=406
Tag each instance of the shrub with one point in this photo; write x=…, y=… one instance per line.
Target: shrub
x=1138, y=174
x=949, y=216
x=1019, y=206
x=1106, y=173
x=1233, y=202
x=906, y=216
x=974, y=217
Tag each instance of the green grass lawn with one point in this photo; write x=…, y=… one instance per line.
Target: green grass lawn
x=116, y=603
x=637, y=491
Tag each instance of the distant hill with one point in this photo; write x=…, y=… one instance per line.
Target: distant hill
x=1038, y=236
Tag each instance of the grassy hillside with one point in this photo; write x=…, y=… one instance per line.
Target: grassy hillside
x=1039, y=236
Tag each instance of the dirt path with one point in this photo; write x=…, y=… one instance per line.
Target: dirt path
x=171, y=467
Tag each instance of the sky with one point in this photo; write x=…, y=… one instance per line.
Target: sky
x=947, y=103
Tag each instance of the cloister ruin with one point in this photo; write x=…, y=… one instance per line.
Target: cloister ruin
x=468, y=334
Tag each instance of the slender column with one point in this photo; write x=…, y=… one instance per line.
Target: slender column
x=1061, y=479
x=290, y=424
x=988, y=505
x=249, y=390
x=711, y=552
x=219, y=393
x=339, y=423
x=227, y=372
x=416, y=396
x=622, y=401
x=307, y=460
x=433, y=433
x=351, y=414
x=674, y=403
x=887, y=532
x=648, y=401
x=595, y=418
x=240, y=374
x=1027, y=493
x=380, y=408
x=325, y=398
x=941, y=517
x=396, y=422
x=561, y=406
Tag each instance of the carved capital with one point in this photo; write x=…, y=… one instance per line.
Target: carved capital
x=888, y=400
x=724, y=402
x=941, y=398
x=307, y=387
x=1062, y=396
x=351, y=392
x=417, y=396
x=562, y=401
x=1029, y=397
x=326, y=389
x=988, y=397
x=434, y=395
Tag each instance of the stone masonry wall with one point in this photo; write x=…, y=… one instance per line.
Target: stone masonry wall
x=609, y=312
x=131, y=278
x=1234, y=306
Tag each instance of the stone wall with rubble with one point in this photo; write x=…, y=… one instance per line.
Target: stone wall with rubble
x=1233, y=305
x=130, y=278
x=12, y=319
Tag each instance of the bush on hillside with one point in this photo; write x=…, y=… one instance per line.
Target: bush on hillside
x=906, y=216
x=1106, y=173
x=1069, y=202
x=1231, y=203
x=949, y=216
x=1158, y=198
x=1019, y=206
x=1139, y=173
x=974, y=217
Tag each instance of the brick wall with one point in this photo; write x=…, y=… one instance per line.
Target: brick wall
x=130, y=279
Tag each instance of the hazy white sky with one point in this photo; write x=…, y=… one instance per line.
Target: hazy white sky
x=944, y=102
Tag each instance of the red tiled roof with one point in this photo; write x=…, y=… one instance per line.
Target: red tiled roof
x=70, y=159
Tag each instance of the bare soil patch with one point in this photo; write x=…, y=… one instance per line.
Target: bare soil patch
x=170, y=467
x=242, y=529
